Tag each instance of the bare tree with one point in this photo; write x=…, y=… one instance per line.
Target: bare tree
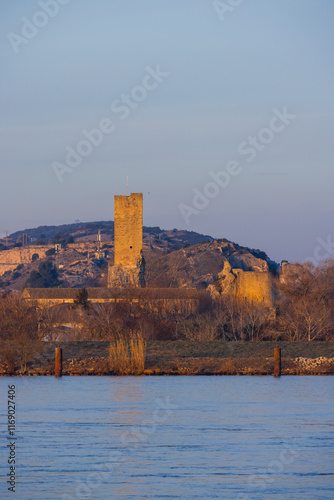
x=111, y=320
x=198, y=328
x=19, y=328
x=49, y=320
x=304, y=319
x=306, y=306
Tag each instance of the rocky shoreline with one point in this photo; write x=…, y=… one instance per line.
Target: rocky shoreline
x=186, y=358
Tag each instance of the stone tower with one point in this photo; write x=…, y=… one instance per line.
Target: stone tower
x=129, y=264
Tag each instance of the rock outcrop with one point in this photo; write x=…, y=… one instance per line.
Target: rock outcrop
x=127, y=276
x=200, y=265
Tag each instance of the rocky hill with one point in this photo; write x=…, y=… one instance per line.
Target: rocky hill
x=174, y=258
x=198, y=265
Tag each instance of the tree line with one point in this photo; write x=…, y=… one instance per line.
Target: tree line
x=304, y=311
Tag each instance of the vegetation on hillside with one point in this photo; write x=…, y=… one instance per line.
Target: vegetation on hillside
x=45, y=277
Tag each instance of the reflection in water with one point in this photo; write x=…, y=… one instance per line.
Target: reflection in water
x=183, y=438
x=129, y=399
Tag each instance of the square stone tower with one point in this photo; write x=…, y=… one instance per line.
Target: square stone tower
x=128, y=229
x=129, y=263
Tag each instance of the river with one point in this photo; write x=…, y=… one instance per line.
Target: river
x=164, y=438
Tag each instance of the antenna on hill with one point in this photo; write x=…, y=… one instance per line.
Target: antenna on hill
x=6, y=238
x=127, y=185
x=99, y=244
x=57, y=251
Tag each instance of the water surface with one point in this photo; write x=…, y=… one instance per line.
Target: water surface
x=163, y=438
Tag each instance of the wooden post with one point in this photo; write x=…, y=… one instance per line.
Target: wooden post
x=58, y=362
x=277, y=362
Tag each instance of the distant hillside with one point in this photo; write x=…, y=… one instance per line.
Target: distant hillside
x=174, y=258
x=87, y=231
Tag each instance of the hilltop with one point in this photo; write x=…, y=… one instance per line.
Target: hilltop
x=87, y=231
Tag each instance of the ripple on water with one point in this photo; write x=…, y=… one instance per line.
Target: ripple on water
x=173, y=438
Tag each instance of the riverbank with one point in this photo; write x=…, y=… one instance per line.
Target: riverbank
x=188, y=358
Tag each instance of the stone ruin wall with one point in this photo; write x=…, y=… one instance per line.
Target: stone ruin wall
x=250, y=285
x=255, y=286
x=10, y=259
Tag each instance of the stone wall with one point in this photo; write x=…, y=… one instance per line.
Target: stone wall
x=10, y=259
x=251, y=285
x=255, y=286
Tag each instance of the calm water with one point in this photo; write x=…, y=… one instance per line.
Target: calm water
x=162, y=438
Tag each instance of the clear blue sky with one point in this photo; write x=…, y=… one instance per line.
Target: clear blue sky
x=226, y=75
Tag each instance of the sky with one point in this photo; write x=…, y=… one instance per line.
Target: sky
x=220, y=112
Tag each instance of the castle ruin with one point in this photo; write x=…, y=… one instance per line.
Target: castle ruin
x=129, y=264
x=128, y=268
x=254, y=286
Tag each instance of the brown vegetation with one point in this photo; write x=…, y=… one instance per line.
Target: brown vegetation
x=127, y=357
x=306, y=307
x=19, y=334
x=304, y=312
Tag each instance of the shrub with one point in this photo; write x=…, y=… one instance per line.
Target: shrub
x=9, y=355
x=137, y=355
x=82, y=298
x=45, y=277
x=35, y=257
x=127, y=357
x=199, y=328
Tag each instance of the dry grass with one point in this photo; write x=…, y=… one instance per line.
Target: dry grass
x=229, y=366
x=127, y=357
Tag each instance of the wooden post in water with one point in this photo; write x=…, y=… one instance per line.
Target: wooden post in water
x=277, y=362
x=58, y=362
